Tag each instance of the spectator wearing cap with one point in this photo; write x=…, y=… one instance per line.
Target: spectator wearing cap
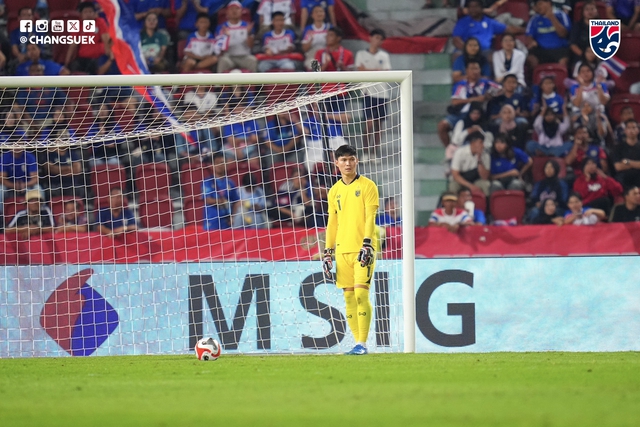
x=34, y=53
x=276, y=44
x=629, y=211
x=548, y=33
x=240, y=33
x=375, y=97
x=35, y=220
x=87, y=55
x=18, y=173
x=627, y=11
x=449, y=216
x=307, y=6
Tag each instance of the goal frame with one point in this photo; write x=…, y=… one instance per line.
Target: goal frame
x=402, y=77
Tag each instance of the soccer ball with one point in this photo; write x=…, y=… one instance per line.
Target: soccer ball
x=208, y=349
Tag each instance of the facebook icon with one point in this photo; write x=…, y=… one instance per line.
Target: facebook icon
x=26, y=26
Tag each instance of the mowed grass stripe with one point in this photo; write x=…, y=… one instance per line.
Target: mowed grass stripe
x=498, y=389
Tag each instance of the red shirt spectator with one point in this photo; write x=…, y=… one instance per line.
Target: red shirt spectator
x=97, y=49
x=596, y=188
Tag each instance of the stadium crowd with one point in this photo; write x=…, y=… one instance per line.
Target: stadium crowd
x=530, y=113
x=531, y=129
x=257, y=173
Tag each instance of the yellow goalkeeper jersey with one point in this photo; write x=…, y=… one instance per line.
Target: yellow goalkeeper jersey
x=348, y=209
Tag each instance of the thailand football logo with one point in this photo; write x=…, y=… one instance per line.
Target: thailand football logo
x=604, y=37
x=77, y=317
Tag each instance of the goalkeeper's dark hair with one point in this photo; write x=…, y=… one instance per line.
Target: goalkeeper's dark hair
x=345, y=150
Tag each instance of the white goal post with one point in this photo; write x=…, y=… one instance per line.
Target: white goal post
x=398, y=82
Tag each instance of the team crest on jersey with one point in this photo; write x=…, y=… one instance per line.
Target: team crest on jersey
x=604, y=37
x=357, y=193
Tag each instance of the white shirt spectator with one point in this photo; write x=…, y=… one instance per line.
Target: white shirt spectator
x=238, y=35
x=464, y=160
x=380, y=60
x=278, y=43
x=516, y=68
x=202, y=45
x=267, y=7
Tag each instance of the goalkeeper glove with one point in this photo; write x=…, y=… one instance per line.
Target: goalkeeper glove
x=367, y=254
x=327, y=263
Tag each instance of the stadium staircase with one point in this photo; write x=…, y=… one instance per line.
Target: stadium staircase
x=431, y=96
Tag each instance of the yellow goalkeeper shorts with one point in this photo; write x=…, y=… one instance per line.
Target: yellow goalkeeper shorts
x=349, y=272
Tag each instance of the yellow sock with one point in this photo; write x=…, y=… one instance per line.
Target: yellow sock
x=364, y=313
x=352, y=312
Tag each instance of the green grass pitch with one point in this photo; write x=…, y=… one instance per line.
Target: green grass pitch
x=499, y=389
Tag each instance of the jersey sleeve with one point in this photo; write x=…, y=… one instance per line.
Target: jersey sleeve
x=332, y=224
x=371, y=204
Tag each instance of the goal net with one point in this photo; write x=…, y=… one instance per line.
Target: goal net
x=142, y=213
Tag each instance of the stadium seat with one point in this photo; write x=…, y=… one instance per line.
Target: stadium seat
x=192, y=176
x=619, y=101
x=8, y=254
x=517, y=9
x=537, y=169
x=152, y=181
x=557, y=71
x=193, y=211
x=156, y=213
x=13, y=206
x=628, y=77
x=577, y=10
x=507, y=204
x=479, y=200
x=61, y=6
x=103, y=179
x=628, y=50
x=272, y=93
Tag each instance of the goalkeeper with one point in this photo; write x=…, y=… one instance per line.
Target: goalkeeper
x=353, y=204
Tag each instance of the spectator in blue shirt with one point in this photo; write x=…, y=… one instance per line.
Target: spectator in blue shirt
x=477, y=25
x=627, y=11
x=548, y=35
x=546, y=92
x=51, y=68
x=391, y=215
x=284, y=135
x=40, y=103
x=117, y=219
x=220, y=197
x=63, y=172
x=18, y=173
x=508, y=95
x=307, y=6
x=19, y=39
x=141, y=8
x=470, y=52
x=508, y=165
x=473, y=89
x=187, y=13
